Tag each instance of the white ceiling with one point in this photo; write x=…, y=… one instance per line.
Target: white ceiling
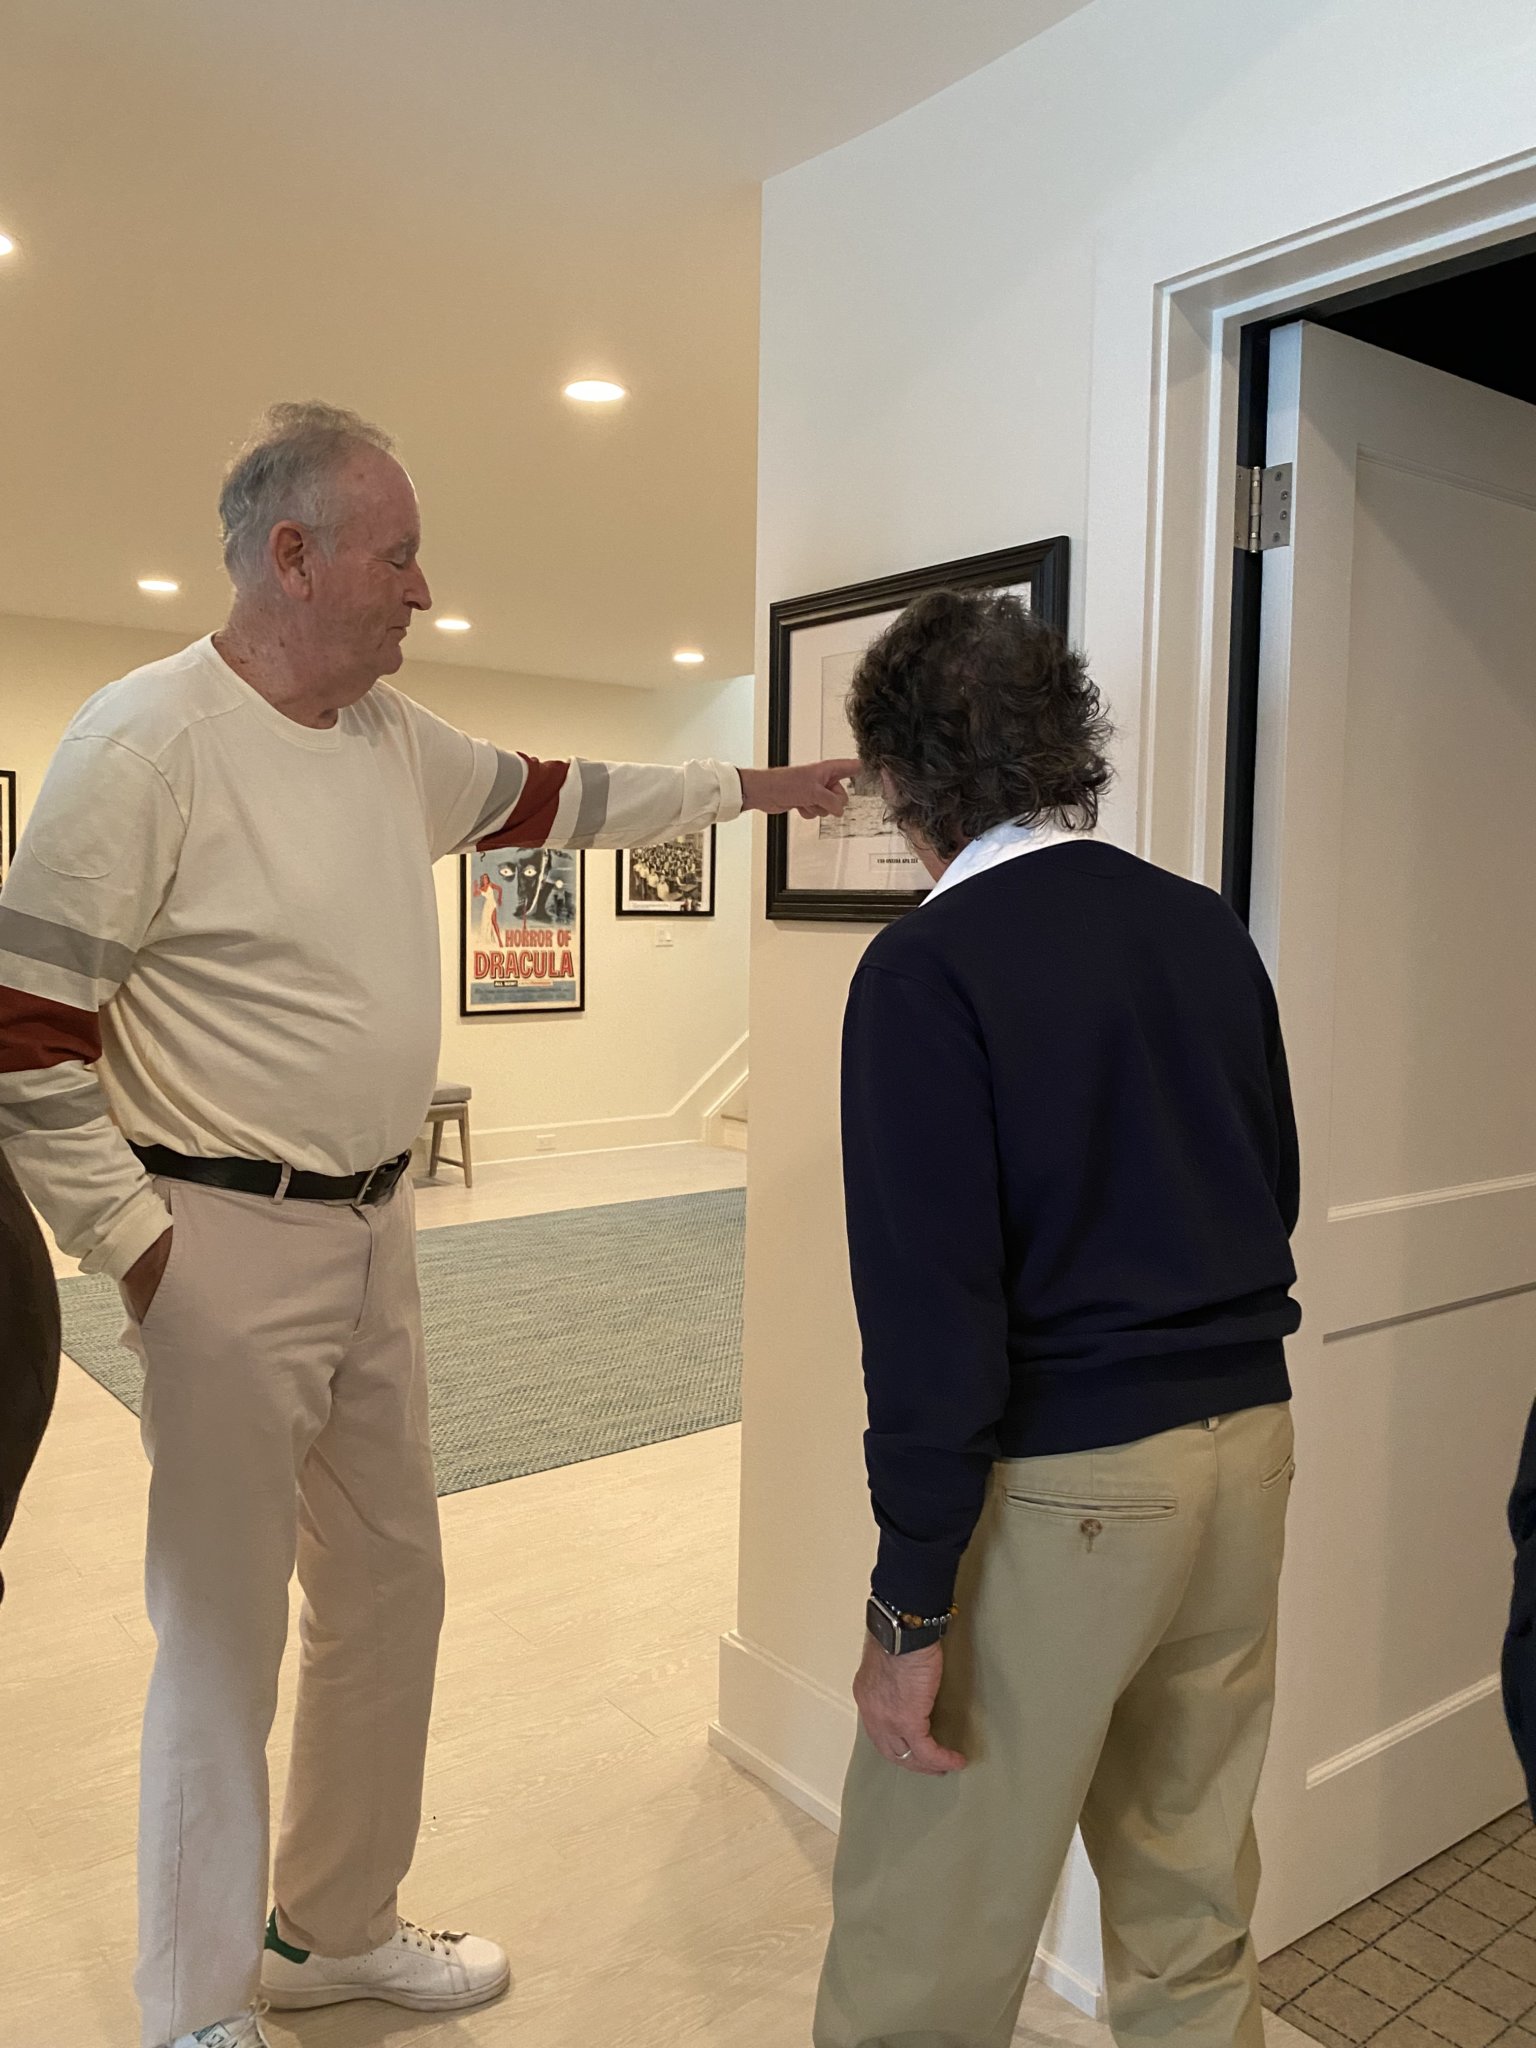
x=436, y=211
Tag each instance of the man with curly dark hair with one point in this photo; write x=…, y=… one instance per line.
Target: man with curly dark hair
x=1071, y=1176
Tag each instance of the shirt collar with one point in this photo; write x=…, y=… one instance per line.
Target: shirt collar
x=1003, y=842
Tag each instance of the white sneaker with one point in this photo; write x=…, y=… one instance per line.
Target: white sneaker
x=426, y=1972
x=244, y=2031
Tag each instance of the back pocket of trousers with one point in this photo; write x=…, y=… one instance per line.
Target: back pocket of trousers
x=1152, y=1508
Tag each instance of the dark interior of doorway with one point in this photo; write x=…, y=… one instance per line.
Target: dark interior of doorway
x=1470, y=317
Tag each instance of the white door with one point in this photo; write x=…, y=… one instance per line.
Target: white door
x=1395, y=899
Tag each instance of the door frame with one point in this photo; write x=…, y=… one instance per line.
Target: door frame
x=1201, y=721
x=1199, y=730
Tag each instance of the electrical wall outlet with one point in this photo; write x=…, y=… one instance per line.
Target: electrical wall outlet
x=544, y=1142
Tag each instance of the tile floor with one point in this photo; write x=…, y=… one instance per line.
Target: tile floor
x=1443, y=1958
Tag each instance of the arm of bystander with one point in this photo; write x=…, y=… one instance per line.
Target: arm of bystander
x=92, y=870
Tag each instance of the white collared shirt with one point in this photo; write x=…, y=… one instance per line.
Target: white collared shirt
x=1003, y=842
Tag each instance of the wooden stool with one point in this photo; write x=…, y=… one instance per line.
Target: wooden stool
x=450, y=1104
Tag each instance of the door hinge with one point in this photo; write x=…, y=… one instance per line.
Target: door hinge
x=1263, y=508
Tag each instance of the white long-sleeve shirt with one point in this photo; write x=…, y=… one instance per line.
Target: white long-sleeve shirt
x=220, y=931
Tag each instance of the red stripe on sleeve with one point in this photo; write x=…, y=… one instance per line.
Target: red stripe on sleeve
x=35, y=1032
x=533, y=815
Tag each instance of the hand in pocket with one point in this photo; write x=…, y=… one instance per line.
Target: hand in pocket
x=141, y=1283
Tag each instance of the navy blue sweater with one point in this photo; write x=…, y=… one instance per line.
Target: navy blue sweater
x=1071, y=1176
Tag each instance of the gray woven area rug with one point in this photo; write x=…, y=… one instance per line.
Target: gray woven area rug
x=550, y=1339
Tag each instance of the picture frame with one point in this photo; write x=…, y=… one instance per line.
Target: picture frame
x=857, y=869
x=671, y=878
x=523, y=932
x=7, y=821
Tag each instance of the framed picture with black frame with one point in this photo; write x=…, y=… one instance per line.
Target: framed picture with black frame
x=522, y=932
x=7, y=821
x=858, y=869
x=672, y=878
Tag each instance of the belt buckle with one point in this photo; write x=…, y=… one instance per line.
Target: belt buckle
x=388, y=1172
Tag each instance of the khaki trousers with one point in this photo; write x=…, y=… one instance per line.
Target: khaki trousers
x=285, y=1416
x=1112, y=1665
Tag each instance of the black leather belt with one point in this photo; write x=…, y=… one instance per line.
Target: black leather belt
x=262, y=1177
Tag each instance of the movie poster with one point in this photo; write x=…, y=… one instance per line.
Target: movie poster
x=522, y=932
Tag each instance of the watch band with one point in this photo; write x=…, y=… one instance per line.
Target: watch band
x=899, y=1634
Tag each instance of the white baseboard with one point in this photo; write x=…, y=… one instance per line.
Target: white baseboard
x=683, y=1124
x=782, y=1726
x=791, y=1732
x=614, y=1134
x=1071, y=1985
x=785, y=1783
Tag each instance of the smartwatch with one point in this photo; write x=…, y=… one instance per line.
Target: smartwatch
x=898, y=1634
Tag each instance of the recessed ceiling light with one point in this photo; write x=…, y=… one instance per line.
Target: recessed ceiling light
x=451, y=625
x=595, y=391
x=688, y=657
x=7, y=246
x=159, y=586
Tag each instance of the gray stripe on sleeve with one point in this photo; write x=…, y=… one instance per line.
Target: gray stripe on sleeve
x=592, y=812
x=58, y=1112
x=511, y=779
x=60, y=945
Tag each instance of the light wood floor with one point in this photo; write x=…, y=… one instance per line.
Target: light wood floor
x=652, y=1895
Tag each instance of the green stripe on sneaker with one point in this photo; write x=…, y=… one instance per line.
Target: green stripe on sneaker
x=279, y=1947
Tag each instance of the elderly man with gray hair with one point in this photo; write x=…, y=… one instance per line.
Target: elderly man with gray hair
x=212, y=1067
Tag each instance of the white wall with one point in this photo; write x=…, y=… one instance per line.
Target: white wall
x=661, y=1037
x=957, y=354
x=662, y=1032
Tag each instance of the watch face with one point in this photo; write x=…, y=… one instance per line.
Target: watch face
x=882, y=1626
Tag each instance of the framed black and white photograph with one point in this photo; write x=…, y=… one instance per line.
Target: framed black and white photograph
x=7, y=821
x=857, y=868
x=673, y=878
x=522, y=932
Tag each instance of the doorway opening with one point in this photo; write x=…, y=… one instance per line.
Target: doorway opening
x=1381, y=752
x=1467, y=316
x=1359, y=1789
x=1380, y=739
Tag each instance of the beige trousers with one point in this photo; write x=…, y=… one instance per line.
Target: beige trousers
x=285, y=1416
x=1113, y=1665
